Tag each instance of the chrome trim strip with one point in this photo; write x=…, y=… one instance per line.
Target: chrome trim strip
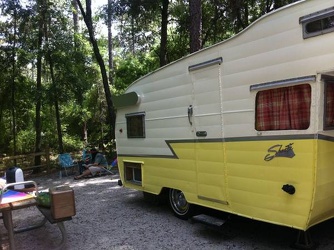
x=282, y=83
x=317, y=15
x=213, y=200
x=233, y=139
x=205, y=64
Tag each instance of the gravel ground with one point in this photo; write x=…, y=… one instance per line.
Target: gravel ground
x=112, y=217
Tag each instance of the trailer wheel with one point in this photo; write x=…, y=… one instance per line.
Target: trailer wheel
x=181, y=208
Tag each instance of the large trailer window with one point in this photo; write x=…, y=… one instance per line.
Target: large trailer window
x=329, y=105
x=135, y=124
x=283, y=108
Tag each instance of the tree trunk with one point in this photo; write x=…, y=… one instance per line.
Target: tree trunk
x=54, y=83
x=239, y=14
x=195, y=25
x=59, y=132
x=133, y=35
x=38, y=123
x=75, y=12
x=75, y=15
x=110, y=43
x=164, y=23
x=87, y=15
x=13, y=86
x=111, y=65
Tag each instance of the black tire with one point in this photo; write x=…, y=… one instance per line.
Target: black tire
x=180, y=206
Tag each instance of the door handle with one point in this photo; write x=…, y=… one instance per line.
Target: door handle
x=201, y=133
x=190, y=114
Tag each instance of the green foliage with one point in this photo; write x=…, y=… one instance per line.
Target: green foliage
x=71, y=143
x=131, y=68
x=25, y=142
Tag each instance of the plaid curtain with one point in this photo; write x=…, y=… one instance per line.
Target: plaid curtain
x=283, y=108
x=329, y=108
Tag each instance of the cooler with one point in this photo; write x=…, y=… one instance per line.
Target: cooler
x=15, y=174
x=62, y=202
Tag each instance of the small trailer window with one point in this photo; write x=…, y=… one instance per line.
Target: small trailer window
x=283, y=108
x=135, y=124
x=133, y=172
x=329, y=105
x=318, y=23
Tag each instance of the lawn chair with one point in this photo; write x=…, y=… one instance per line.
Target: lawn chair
x=66, y=162
x=108, y=169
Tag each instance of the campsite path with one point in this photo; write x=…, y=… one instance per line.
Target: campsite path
x=112, y=217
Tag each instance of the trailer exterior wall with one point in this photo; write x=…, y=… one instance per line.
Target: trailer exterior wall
x=226, y=169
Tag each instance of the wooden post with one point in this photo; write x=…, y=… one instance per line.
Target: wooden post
x=47, y=157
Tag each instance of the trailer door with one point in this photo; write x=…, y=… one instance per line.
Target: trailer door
x=207, y=124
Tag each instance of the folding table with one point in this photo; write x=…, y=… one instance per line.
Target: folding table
x=12, y=200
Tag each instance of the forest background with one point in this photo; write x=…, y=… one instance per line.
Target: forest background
x=59, y=69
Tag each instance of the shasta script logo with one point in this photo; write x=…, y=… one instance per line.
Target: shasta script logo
x=279, y=151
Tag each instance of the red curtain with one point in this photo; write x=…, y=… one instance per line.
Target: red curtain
x=329, y=107
x=283, y=108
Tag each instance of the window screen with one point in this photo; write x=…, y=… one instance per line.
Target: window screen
x=135, y=124
x=283, y=108
x=329, y=105
x=318, y=23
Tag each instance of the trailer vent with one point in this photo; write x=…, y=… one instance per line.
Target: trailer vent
x=133, y=172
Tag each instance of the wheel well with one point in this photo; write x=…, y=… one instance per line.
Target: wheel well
x=164, y=194
x=164, y=191
x=157, y=199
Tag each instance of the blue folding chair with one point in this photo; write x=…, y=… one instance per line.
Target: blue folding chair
x=66, y=162
x=114, y=163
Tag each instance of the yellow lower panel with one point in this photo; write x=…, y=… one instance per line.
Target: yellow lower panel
x=323, y=207
x=256, y=173
x=246, y=178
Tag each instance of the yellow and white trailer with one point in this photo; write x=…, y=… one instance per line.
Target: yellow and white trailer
x=245, y=126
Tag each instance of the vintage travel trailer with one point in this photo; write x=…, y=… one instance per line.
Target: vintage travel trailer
x=245, y=126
